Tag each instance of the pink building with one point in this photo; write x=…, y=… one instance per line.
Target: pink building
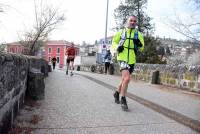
x=52, y=48
x=15, y=47
x=58, y=49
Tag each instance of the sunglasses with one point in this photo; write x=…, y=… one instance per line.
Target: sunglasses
x=132, y=20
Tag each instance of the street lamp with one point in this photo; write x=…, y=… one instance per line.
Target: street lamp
x=106, y=21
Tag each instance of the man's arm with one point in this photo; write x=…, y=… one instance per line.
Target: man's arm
x=66, y=52
x=115, y=42
x=141, y=38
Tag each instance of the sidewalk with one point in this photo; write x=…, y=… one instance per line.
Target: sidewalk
x=78, y=105
x=178, y=100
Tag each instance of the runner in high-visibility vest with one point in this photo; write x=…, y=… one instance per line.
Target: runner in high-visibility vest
x=126, y=42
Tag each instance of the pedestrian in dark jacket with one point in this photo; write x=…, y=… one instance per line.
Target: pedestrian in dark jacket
x=53, y=60
x=107, y=60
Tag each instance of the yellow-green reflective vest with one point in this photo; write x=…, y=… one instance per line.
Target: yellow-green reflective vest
x=127, y=55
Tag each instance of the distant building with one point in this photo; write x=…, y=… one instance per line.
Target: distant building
x=50, y=49
x=58, y=49
x=102, y=47
x=88, y=50
x=14, y=47
x=178, y=47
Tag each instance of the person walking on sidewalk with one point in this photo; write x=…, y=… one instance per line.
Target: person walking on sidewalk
x=126, y=43
x=53, y=60
x=70, y=58
x=107, y=59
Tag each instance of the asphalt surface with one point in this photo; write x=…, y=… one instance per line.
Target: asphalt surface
x=84, y=104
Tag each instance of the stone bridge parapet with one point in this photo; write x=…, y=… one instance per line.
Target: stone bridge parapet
x=14, y=74
x=182, y=76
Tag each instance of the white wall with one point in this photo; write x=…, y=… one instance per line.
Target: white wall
x=88, y=60
x=83, y=60
x=77, y=60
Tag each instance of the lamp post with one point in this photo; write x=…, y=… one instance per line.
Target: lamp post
x=104, y=44
x=106, y=21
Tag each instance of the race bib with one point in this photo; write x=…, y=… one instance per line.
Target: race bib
x=124, y=65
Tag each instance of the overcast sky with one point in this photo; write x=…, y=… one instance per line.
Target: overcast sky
x=85, y=19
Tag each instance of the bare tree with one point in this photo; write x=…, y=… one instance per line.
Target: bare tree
x=47, y=19
x=2, y=47
x=189, y=27
x=196, y=2
x=193, y=60
x=1, y=7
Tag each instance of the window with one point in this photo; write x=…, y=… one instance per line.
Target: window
x=12, y=50
x=58, y=50
x=58, y=59
x=49, y=50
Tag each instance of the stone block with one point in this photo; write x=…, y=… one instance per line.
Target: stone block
x=155, y=77
x=35, y=85
x=78, y=68
x=111, y=69
x=6, y=123
x=49, y=68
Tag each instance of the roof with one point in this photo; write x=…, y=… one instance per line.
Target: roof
x=49, y=43
x=14, y=44
x=58, y=42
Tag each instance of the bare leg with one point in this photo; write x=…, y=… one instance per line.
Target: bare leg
x=116, y=94
x=120, y=86
x=72, y=67
x=67, y=68
x=125, y=81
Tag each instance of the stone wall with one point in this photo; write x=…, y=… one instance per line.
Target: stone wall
x=183, y=76
x=14, y=70
x=39, y=64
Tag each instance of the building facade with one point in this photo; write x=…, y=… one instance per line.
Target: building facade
x=14, y=47
x=103, y=45
x=57, y=49
x=52, y=48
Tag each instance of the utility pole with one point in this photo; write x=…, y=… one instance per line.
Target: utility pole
x=106, y=21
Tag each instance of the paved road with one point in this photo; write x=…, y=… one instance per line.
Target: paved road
x=78, y=105
x=177, y=100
